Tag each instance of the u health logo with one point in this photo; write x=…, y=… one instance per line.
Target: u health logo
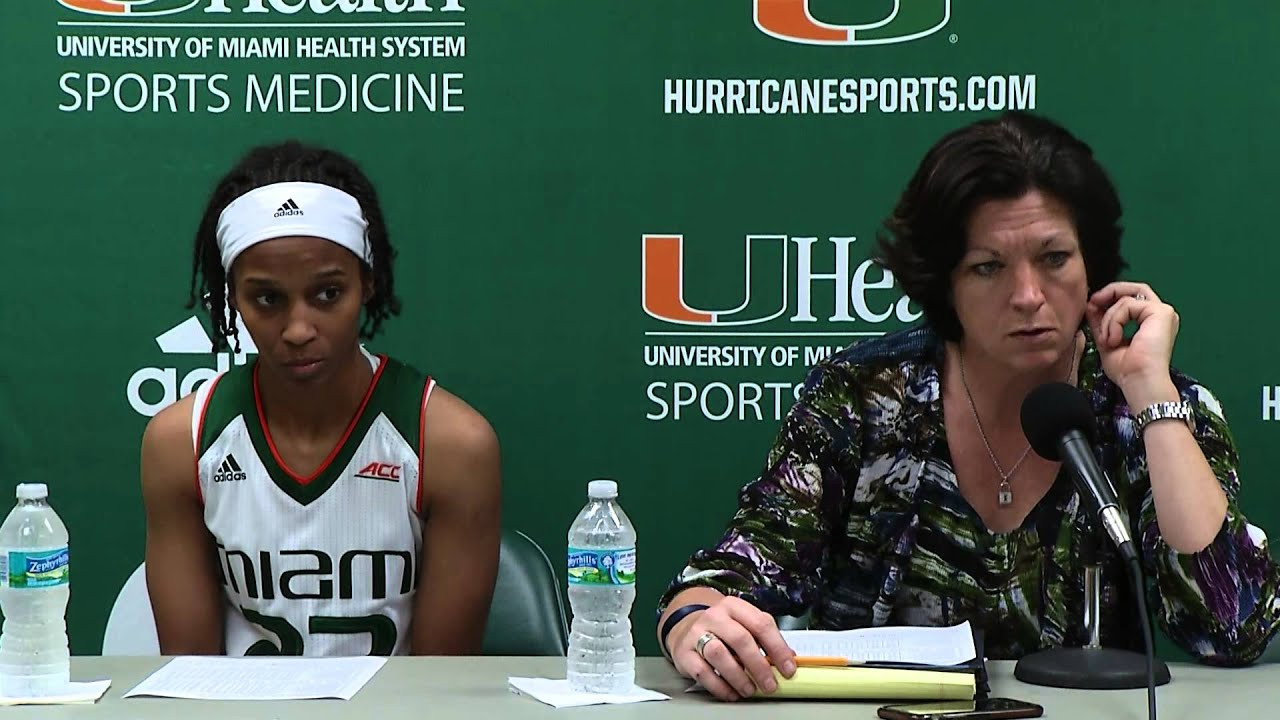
x=130, y=8
x=778, y=270
x=150, y=8
x=791, y=20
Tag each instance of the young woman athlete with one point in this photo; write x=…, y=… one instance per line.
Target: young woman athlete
x=320, y=499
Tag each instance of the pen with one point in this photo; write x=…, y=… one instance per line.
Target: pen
x=821, y=661
x=835, y=661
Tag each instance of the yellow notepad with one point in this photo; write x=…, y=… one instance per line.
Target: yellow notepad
x=868, y=683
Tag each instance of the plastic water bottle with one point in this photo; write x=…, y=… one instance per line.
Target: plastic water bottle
x=34, y=588
x=602, y=588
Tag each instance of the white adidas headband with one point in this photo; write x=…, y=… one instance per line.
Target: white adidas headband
x=292, y=208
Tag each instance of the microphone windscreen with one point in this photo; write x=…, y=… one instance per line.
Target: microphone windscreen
x=1050, y=411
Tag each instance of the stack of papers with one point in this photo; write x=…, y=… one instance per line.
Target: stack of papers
x=888, y=663
x=228, y=678
x=913, y=645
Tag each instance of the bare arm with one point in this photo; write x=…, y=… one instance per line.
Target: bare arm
x=181, y=556
x=1189, y=500
x=1216, y=583
x=462, y=505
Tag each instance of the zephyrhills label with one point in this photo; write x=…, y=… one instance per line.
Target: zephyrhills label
x=40, y=568
x=602, y=567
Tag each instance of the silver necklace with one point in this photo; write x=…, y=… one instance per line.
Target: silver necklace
x=1005, y=494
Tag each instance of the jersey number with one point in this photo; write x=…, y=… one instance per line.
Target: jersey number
x=381, y=629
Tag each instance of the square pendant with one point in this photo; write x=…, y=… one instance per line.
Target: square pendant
x=1005, y=497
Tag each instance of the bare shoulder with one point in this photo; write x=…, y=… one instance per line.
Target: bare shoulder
x=462, y=460
x=455, y=430
x=168, y=452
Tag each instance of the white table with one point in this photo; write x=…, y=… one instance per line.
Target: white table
x=475, y=688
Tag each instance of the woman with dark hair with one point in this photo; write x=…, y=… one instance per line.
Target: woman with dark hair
x=322, y=499
x=901, y=489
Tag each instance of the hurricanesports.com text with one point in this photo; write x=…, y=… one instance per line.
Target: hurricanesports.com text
x=835, y=96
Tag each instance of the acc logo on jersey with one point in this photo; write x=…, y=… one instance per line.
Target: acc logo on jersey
x=380, y=471
x=791, y=20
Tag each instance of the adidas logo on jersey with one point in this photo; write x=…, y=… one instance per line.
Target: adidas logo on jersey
x=380, y=471
x=229, y=470
x=289, y=208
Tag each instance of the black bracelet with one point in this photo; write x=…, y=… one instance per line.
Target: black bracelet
x=674, y=618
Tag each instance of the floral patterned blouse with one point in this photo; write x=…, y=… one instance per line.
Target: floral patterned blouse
x=857, y=519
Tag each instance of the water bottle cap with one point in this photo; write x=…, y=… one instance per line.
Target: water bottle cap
x=602, y=489
x=33, y=491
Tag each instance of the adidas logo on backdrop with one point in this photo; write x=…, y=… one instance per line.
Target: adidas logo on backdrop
x=151, y=389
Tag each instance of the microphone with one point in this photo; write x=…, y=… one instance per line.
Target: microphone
x=1059, y=424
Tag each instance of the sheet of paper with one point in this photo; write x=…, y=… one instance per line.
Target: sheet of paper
x=225, y=678
x=76, y=693
x=556, y=693
x=930, y=646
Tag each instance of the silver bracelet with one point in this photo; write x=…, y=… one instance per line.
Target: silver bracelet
x=1165, y=411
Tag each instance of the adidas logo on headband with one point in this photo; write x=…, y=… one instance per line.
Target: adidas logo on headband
x=289, y=208
x=331, y=214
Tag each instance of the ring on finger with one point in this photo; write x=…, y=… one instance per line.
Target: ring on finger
x=1140, y=296
x=701, y=646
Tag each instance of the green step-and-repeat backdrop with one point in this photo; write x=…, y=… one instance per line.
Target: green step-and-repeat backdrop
x=625, y=229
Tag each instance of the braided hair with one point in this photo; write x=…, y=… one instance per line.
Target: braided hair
x=289, y=161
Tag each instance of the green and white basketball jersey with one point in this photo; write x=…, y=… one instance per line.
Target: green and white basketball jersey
x=321, y=565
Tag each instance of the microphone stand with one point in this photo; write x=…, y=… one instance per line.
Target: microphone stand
x=1091, y=667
